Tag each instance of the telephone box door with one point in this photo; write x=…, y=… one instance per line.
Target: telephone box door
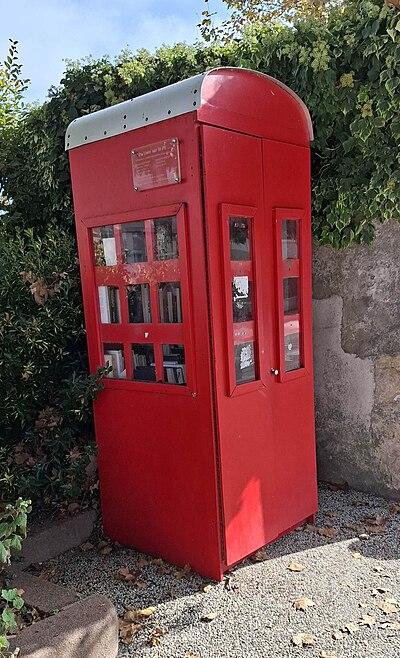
x=255, y=324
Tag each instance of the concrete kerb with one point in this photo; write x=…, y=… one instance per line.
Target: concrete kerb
x=76, y=629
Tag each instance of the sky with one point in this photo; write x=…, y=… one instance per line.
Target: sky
x=51, y=31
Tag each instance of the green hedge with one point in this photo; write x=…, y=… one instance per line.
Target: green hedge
x=348, y=73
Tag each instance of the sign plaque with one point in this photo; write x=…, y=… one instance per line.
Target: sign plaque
x=155, y=165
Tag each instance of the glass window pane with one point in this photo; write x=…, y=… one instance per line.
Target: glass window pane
x=242, y=299
x=110, y=308
x=245, y=363
x=292, y=345
x=290, y=248
x=114, y=360
x=291, y=296
x=165, y=239
x=239, y=236
x=139, y=310
x=134, y=242
x=169, y=295
x=174, y=364
x=144, y=367
x=104, y=246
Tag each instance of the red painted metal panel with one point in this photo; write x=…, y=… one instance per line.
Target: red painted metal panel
x=251, y=103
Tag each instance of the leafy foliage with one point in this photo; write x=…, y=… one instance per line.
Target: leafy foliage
x=13, y=519
x=243, y=12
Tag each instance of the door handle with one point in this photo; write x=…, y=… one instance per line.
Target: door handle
x=274, y=371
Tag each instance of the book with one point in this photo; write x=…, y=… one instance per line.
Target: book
x=110, y=253
x=104, y=305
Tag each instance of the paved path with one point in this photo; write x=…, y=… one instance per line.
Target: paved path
x=354, y=584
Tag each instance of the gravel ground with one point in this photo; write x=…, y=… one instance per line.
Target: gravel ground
x=346, y=577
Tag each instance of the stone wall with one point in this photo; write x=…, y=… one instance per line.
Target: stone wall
x=357, y=363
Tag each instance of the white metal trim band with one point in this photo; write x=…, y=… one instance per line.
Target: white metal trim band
x=165, y=103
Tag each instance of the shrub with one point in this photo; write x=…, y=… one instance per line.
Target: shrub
x=13, y=519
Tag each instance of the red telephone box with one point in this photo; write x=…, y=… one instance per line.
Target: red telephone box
x=192, y=209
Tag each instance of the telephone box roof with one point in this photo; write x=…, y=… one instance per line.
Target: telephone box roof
x=233, y=98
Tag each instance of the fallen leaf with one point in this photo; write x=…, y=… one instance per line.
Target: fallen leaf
x=302, y=603
x=127, y=630
x=210, y=616
x=125, y=575
x=139, y=615
x=104, y=547
x=377, y=519
x=328, y=532
x=394, y=625
x=367, y=620
x=260, y=555
x=87, y=546
x=375, y=529
x=296, y=566
x=155, y=637
x=182, y=573
x=379, y=590
x=207, y=588
x=303, y=640
x=328, y=654
x=143, y=562
x=147, y=612
x=337, y=635
x=388, y=606
x=350, y=628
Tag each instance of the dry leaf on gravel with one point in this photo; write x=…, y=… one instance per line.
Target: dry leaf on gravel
x=303, y=640
x=182, y=573
x=210, y=616
x=260, y=555
x=125, y=575
x=104, y=547
x=155, y=637
x=296, y=566
x=394, y=625
x=328, y=532
x=328, y=654
x=376, y=519
x=379, y=590
x=127, y=628
x=367, y=620
x=388, y=606
x=302, y=603
x=338, y=635
x=139, y=615
x=87, y=546
x=207, y=588
x=350, y=628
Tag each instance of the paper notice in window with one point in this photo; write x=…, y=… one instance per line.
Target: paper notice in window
x=110, y=254
x=246, y=356
x=241, y=284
